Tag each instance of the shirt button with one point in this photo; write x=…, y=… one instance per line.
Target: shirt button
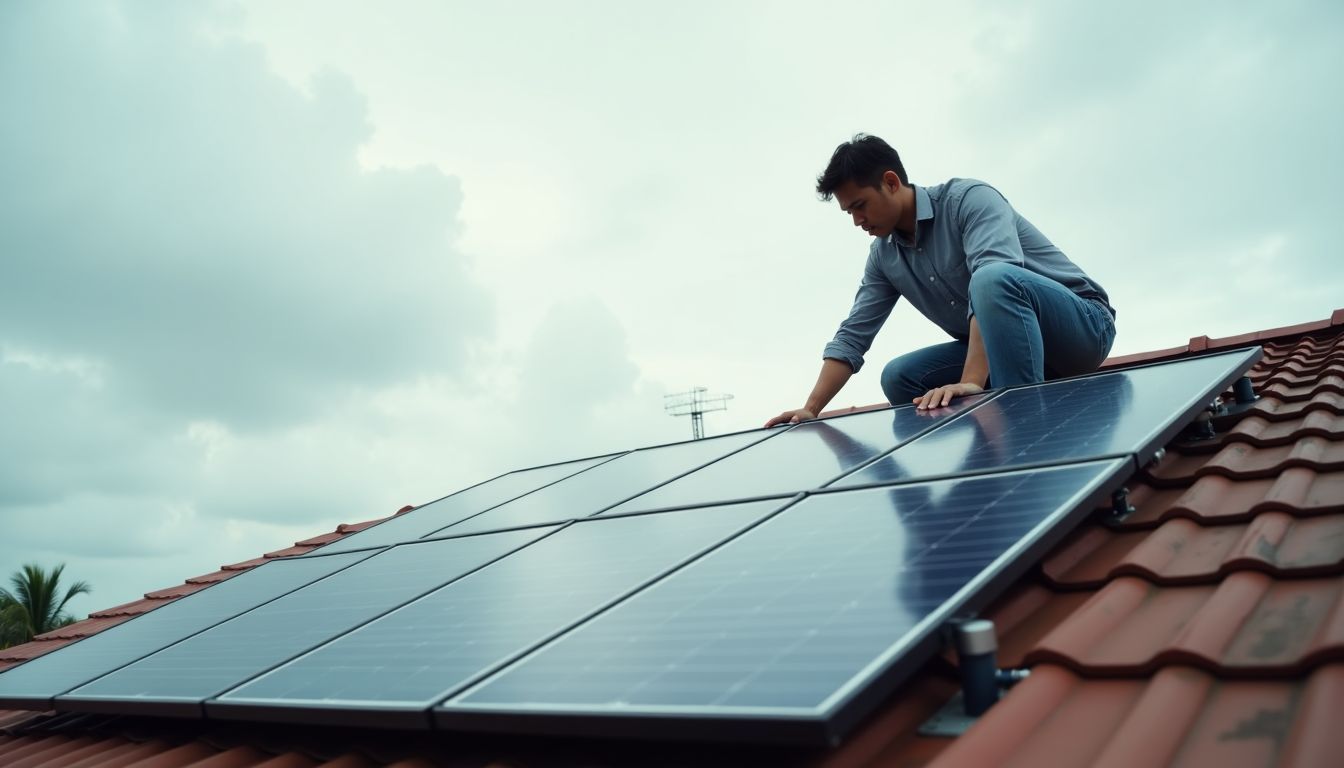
x=932, y=278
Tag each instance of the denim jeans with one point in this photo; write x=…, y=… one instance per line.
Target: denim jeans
x=1033, y=328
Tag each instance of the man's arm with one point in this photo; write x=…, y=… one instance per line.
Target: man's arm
x=843, y=356
x=974, y=375
x=834, y=374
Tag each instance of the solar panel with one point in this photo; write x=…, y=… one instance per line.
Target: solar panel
x=426, y=519
x=1133, y=411
x=177, y=679
x=803, y=458
x=613, y=482
x=33, y=684
x=791, y=629
x=783, y=618
x=390, y=671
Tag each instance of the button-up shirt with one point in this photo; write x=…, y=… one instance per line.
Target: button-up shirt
x=960, y=226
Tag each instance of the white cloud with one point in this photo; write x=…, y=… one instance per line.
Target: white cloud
x=178, y=213
x=199, y=282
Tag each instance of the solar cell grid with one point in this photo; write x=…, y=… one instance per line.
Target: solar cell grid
x=801, y=459
x=416, y=655
x=425, y=520
x=782, y=618
x=34, y=683
x=178, y=678
x=1072, y=420
x=611, y=483
x=670, y=620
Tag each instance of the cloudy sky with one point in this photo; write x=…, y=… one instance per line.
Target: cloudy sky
x=270, y=266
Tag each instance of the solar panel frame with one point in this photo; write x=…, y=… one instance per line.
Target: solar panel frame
x=343, y=545
x=1240, y=360
x=1146, y=450
x=761, y=435
x=182, y=706
x=614, y=510
x=166, y=613
x=401, y=715
x=854, y=701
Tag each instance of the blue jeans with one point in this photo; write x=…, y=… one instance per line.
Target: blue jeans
x=1033, y=329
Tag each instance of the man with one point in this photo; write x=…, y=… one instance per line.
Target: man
x=1020, y=312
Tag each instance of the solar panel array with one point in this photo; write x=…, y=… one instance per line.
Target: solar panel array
x=768, y=585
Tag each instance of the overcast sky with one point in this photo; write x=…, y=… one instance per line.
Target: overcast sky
x=271, y=266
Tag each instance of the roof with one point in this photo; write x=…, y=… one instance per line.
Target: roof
x=1206, y=628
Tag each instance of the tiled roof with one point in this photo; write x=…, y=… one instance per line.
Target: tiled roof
x=1206, y=628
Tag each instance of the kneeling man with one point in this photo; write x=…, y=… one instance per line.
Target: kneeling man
x=1018, y=310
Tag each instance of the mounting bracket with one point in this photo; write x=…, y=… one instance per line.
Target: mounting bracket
x=981, y=680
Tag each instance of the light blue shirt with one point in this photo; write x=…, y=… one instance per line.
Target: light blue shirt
x=960, y=226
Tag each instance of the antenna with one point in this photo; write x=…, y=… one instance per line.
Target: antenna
x=694, y=404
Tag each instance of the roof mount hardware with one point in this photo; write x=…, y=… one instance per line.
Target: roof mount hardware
x=1243, y=399
x=1158, y=456
x=981, y=680
x=1243, y=391
x=976, y=645
x=1120, y=506
x=1200, y=429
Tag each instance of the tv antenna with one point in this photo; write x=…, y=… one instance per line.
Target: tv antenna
x=695, y=404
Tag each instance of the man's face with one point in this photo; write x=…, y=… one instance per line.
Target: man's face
x=876, y=210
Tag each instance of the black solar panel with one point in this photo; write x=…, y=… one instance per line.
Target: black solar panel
x=178, y=678
x=786, y=623
x=35, y=683
x=732, y=620
x=429, y=518
x=1073, y=420
x=611, y=483
x=803, y=458
x=415, y=656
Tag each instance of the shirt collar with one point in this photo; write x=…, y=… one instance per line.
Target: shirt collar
x=923, y=212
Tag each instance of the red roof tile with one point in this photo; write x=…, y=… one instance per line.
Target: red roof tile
x=1182, y=551
x=1205, y=628
x=1242, y=461
x=1247, y=623
x=1213, y=499
x=82, y=628
x=1179, y=717
x=1264, y=433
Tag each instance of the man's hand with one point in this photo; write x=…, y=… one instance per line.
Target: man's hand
x=937, y=398
x=791, y=417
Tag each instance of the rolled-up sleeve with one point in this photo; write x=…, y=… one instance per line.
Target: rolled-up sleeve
x=872, y=304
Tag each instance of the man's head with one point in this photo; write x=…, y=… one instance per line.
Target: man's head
x=867, y=179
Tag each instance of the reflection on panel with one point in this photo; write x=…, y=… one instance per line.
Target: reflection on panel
x=418, y=654
x=237, y=650
x=800, y=459
x=1072, y=420
x=613, y=482
x=461, y=505
x=786, y=617
x=73, y=665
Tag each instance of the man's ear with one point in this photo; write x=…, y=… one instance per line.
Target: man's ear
x=891, y=181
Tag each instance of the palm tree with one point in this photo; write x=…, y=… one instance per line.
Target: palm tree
x=33, y=606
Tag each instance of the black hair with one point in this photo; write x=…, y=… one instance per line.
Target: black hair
x=861, y=160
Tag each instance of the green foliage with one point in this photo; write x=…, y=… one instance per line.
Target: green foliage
x=35, y=604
